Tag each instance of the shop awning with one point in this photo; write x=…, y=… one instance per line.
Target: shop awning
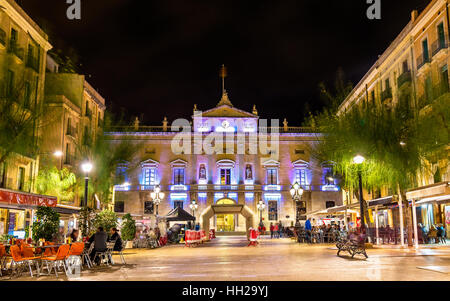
x=382, y=201
x=18, y=198
x=333, y=210
x=439, y=192
x=65, y=209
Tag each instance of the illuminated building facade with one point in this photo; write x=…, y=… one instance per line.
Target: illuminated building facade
x=229, y=180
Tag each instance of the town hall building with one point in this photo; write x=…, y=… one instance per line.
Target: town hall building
x=248, y=162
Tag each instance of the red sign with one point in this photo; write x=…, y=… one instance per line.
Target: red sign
x=18, y=198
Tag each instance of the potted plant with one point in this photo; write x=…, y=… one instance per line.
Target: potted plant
x=46, y=225
x=128, y=230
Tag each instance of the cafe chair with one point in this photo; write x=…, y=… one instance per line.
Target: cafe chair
x=85, y=259
x=106, y=256
x=55, y=260
x=19, y=262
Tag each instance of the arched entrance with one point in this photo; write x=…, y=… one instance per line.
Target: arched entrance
x=225, y=210
x=225, y=222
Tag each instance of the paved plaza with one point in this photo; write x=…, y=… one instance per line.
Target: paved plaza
x=229, y=259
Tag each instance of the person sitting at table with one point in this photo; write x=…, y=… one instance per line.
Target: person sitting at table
x=99, y=240
x=115, y=236
x=59, y=236
x=74, y=235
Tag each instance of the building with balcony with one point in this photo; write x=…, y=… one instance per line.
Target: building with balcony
x=227, y=180
x=23, y=49
x=412, y=70
x=74, y=118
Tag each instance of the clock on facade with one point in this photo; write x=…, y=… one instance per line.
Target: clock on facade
x=225, y=124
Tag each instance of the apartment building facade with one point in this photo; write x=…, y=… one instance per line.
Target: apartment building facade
x=74, y=119
x=413, y=70
x=23, y=49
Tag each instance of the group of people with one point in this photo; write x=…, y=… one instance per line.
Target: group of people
x=436, y=234
x=276, y=230
x=313, y=233
x=99, y=239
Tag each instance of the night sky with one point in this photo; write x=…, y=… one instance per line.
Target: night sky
x=159, y=58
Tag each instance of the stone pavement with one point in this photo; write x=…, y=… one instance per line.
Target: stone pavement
x=229, y=259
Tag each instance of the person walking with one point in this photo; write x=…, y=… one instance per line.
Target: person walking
x=280, y=230
x=308, y=229
x=271, y=230
x=275, y=230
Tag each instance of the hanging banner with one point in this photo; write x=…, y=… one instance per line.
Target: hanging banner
x=20, y=198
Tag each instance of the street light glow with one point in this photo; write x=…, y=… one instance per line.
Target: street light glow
x=87, y=167
x=58, y=154
x=359, y=159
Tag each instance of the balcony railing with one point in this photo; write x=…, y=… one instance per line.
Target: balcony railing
x=404, y=78
x=216, y=188
x=421, y=61
x=160, y=129
x=33, y=63
x=386, y=94
x=87, y=140
x=2, y=37
x=69, y=159
x=436, y=92
x=16, y=50
x=88, y=113
x=437, y=46
x=71, y=131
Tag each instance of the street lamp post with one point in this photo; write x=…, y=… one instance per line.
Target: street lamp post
x=296, y=193
x=261, y=206
x=360, y=160
x=193, y=207
x=157, y=197
x=87, y=168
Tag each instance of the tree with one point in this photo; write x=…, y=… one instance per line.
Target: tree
x=20, y=120
x=106, y=219
x=59, y=183
x=106, y=156
x=47, y=224
x=128, y=227
x=396, y=142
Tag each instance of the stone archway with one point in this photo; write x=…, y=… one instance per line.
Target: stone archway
x=224, y=207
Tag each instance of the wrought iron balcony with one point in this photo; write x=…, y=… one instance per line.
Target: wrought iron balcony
x=88, y=113
x=422, y=61
x=386, y=94
x=71, y=131
x=437, y=46
x=16, y=50
x=2, y=37
x=33, y=63
x=404, y=78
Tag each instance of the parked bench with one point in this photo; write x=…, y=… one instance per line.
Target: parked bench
x=352, y=246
